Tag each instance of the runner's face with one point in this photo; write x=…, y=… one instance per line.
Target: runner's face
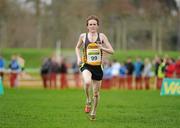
x=92, y=26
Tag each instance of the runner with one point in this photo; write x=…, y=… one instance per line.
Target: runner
x=94, y=44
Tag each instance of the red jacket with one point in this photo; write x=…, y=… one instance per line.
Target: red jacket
x=170, y=69
x=177, y=68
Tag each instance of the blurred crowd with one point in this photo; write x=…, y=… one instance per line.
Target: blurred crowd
x=15, y=69
x=55, y=72
x=140, y=74
x=134, y=73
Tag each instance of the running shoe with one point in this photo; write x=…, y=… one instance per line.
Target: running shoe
x=87, y=108
x=92, y=117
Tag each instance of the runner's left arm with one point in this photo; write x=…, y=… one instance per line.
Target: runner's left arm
x=108, y=48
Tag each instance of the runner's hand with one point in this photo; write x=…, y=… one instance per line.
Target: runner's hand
x=99, y=46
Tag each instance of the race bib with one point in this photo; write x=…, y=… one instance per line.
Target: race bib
x=93, y=54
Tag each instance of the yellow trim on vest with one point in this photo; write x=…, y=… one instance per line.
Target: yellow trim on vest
x=96, y=51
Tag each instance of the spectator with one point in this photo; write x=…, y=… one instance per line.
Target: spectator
x=53, y=69
x=161, y=73
x=115, y=73
x=122, y=76
x=130, y=69
x=170, y=68
x=138, y=68
x=45, y=69
x=21, y=62
x=14, y=71
x=147, y=72
x=177, y=68
x=2, y=67
x=107, y=76
x=76, y=73
x=63, y=74
x=157, y=62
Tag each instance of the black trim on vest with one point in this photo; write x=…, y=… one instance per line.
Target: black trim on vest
x=87, y=42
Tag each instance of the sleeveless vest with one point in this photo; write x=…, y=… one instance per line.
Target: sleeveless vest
x=92, y=55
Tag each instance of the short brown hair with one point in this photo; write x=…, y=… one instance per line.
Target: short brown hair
x=92, y=17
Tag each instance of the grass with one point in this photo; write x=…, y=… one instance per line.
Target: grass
x=123, y=55
x=39, y=108
x=33, y=57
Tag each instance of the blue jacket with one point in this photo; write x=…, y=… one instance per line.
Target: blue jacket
x=138, y=68
x=2, y=63
x=122, y=71
x=14, y=65
x=107, y=73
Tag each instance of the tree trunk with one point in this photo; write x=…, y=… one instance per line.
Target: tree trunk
x=154, y=36
x=39, y=24
x=124, y=36
x=178, y=33
x=159, y=37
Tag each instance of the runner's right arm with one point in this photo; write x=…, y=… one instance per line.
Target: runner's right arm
x=77, y=49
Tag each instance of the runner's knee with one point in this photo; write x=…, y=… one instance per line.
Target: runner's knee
x=87, y=81
x=96, y=94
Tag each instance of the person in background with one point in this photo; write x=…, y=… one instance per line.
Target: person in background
x=177, y=68
x=147, y=73
x=115, y=73
x=15, y=69
x=130, y=69
x=138, y=68
x=2, y=67
x=76, y=73
x=63, y=74
x=161, y=73
x=53, y=69
x=122, y=76
x=45, y=70
x=21, y=62
x=170, y=68
x=107, y=76
x=156, y=63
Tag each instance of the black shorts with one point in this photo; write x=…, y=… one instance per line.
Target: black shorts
x=97, y=72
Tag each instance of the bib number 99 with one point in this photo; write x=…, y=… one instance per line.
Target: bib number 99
x=93, y=58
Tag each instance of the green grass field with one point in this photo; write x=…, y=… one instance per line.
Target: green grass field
x=39, y=108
